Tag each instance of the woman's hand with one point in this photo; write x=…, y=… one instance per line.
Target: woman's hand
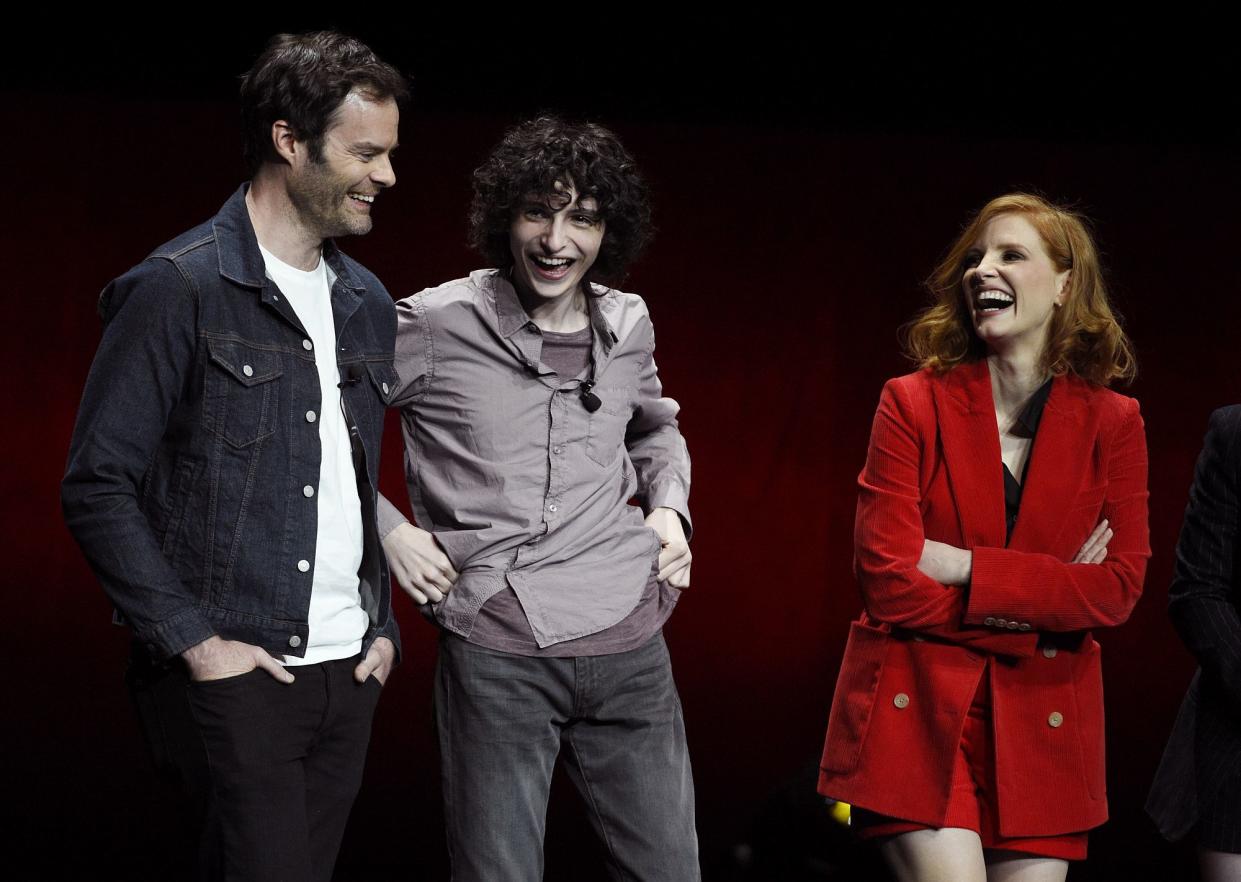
x=1094, y=550
x=946, y=563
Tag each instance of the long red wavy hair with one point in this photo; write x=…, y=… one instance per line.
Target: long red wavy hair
x=1085, y=336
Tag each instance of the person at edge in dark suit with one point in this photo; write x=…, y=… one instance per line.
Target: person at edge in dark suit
x=223, y=470
x=1197, y=789
x=1002, y=515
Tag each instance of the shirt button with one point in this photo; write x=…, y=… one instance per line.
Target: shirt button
x=307, y=345
x=1049, y=652
x=295, y=641
x=304, y=566
x=552, y=507
x=1013, y=626
x=556, y=449
x=1055, y=719
x=308, y=491
x=989, y=621
x=1001, y=623
x=901, y=700
x=1024, y=626
x=385, y=388
x=247, y=370
x=310, y=416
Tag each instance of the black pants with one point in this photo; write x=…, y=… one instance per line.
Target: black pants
x=266, y=771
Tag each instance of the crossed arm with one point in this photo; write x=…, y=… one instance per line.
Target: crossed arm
x=950, y=565
x=931, y=587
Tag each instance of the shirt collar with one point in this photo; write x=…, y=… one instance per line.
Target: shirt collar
x=511, y=315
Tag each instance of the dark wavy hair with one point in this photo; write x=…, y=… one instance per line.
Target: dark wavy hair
x=535, y=155
x=303, y=79
x=1085, y=336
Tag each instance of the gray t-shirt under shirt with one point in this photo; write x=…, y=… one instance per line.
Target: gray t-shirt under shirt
x=501, y=623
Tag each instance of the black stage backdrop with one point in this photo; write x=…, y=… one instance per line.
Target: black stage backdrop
x=805, y=183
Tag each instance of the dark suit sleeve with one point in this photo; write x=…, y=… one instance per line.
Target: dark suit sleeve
x=888, y=536
x=1202, y=600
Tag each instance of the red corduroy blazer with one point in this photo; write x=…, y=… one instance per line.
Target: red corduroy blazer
x=916, y=655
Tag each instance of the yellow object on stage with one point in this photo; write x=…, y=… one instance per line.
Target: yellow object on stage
x=840, y=812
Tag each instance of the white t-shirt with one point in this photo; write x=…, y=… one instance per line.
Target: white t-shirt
x=337, y=620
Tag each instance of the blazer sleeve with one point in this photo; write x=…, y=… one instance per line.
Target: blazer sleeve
x=1202, y=600
x=888, y=536
x=1052, y=595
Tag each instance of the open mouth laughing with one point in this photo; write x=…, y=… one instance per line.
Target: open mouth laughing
x=553, y=269
x=990, y=301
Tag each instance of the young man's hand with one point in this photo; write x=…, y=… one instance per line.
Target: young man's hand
x=418, y=564
x=674, y=556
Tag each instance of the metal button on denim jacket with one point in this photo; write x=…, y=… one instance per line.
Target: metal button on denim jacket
x=196, y=440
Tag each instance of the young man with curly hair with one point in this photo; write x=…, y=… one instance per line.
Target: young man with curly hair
x=533, y=414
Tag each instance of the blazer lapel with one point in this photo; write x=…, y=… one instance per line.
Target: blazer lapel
x=971, y=445
x=1057, y=464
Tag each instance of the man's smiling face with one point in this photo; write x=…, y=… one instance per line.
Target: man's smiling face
x=334, y=195
x=555, y=239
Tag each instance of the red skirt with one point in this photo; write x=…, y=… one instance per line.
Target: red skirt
x=971, y=804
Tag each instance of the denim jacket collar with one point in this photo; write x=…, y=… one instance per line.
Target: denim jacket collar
x=239, y=255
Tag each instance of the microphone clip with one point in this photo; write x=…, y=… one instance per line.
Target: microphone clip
x=590, y=400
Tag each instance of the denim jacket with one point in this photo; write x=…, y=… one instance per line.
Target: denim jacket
x=196, y=442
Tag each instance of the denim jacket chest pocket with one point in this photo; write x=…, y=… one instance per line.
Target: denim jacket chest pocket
x=383, y=381
x=241, y=398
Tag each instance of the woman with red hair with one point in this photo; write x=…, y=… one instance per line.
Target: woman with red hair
x=1002, y=516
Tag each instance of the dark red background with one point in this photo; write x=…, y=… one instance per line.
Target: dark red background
x=801, y=197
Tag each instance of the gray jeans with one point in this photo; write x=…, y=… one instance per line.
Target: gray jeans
x=503, y=720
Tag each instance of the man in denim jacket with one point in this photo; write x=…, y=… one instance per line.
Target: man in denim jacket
x=222, y=474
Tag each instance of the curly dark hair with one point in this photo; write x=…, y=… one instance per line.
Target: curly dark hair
x=535, y=155
x=302, y=79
